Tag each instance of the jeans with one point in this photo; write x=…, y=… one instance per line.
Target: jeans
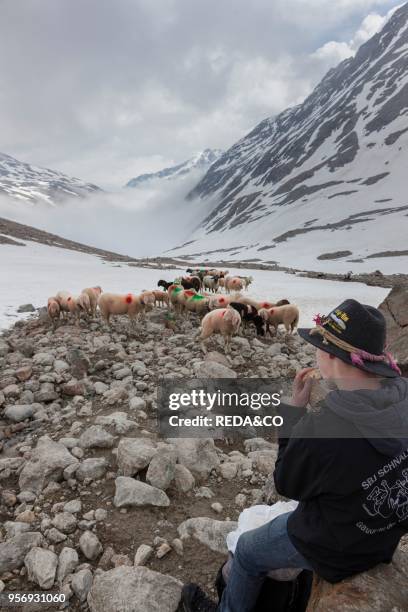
x=257, y=552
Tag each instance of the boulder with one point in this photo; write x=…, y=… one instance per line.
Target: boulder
x=47, y=463
x=19, y=412
x=118, y=420
x=131, y=492
x=134, y=454
x=199, y=455
x=183, y=478
x=395, y=311
x=90, y=545
x=134, y=589
x=208, y=531
x=81, y=583
x=382, y=589
x=13, y=551
x=161, y=469
x=68, y=560
x=93, y=468
x=96, y=437
x=41, y=567
x=213, y=369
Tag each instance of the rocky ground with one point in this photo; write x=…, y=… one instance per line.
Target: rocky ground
x=91, y=497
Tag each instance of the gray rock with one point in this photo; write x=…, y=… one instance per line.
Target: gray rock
x=81, y=583
x=134, y=589
x=213, y=369
x=4, y=348
x=46, y=393
x=96, y=437
x=13, y=551
x=68, y=560
x=26, y=308
x=117, y=420
x=14, y=528
x=161, y=470
x=19, y=412
x=199, y=455
x=79, y=362
x=90, y=545
x=382, y=589
x=60, y=365
x=74, y=506
x=134, y=454
x=143, y=554
x=130, y=492
x=48, y=460
x=43, y=359
x=93, y=468
x=183, y=478
x=65, y=522
x=100, y=388
x=208, y=531
x=41, y=567
x=137, y=403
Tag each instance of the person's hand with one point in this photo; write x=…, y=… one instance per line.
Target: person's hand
x=302, y=386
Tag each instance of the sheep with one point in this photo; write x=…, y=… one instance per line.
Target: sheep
x=247, y=280
x=225, y=321
x=287, y=315
x=161, y=297
x=114, y=304
x=245, y=299
x=93, y=293
x=211, y=282
x=164, y=284
x=249, y=315
x=233, y=283
x=197, y=303
x=84, y=303
x=54, y=310
x=62, y=299
x=221, y=301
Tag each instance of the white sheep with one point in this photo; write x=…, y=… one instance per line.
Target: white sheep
x=225, y=321
x=115, y=304
x=287, y=315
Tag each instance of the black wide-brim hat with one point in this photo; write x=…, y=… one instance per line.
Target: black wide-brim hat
x=356, y=334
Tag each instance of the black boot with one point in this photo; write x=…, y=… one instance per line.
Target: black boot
x=193, y=599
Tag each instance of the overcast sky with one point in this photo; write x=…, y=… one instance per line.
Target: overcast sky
x=108, y=89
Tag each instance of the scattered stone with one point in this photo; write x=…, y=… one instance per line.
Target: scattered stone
x=199, y=455
x=65, y=522
x=93, y=468
x=90, y=545
x=19, y=412
x=217, y=507
x=143, y=554
x=213, y=369
x=41, y=566
x=139, y=587
x=13, y=551
x=130, y=492
x=96, y=437
x=81, y=583
x=68, y=560
x=26, y=308
x=183, y=478
x=134, y=454
x=48, y=460
x=161, y=470
x=208, y=531
x=163, y=550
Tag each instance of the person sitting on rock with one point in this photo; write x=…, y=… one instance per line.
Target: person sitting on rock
x=346, y=463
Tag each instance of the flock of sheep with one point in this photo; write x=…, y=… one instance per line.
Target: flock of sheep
x=199, y=292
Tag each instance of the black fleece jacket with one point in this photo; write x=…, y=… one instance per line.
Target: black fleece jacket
x=347, y=465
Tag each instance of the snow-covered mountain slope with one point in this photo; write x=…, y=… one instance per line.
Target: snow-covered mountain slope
x=35, y=185
x=200, y=162
x=324, y=178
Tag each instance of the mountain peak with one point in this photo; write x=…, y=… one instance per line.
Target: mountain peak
x=200, y=161
x=32, y=184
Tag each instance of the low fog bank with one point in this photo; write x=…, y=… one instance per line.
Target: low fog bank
x=141, y=222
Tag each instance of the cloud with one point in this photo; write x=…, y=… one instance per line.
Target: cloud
x=106, y=90
x=135, y=222
x=333, y=51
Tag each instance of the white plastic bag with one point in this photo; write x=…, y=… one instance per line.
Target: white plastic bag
x=255, y=516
